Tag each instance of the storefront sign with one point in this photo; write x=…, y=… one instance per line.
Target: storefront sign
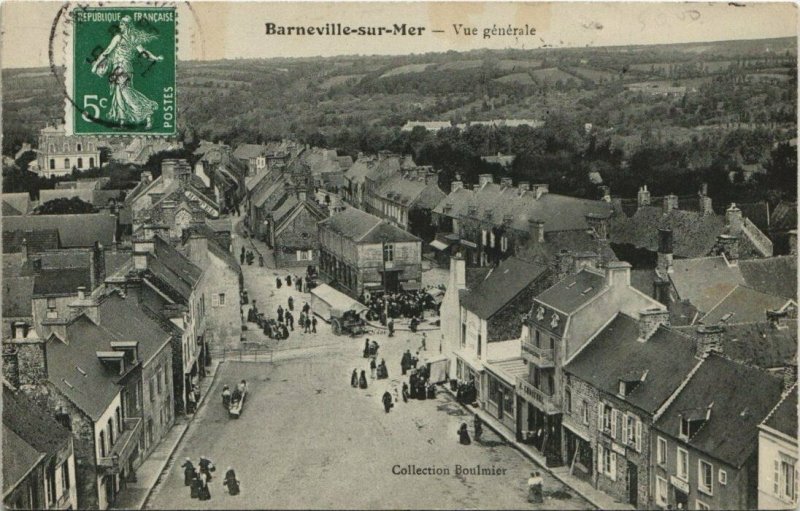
x=469, y=244
x=679, y=484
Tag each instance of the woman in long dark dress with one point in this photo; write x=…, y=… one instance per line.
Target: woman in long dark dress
x=366, y=348
x=196, y=486
x=278, y=282
x=354, y=379
x=387, y=401
x=188, y=472
x=362, y=380
x=205, y=493
x=231, y=482
x=463, y=434
x=405, y=392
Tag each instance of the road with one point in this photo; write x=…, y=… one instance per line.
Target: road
x=307, y=439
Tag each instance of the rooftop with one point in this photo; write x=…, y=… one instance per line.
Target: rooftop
x=783, y=417
x=37, y=240
x=704, y=281
x=743, y=305
x=361, y=227
x=740, y=398
x=61, y=282
x=665, y=359
x=73, y=230
x=572, y=292
x=500, y=287
x=771, y=275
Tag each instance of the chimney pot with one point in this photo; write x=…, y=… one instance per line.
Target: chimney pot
x=81, y=292
x=485, y=179
x=709, y=339
x=643, y=197
x=618, y=273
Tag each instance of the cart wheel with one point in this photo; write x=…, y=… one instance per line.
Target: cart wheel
x=337, y=328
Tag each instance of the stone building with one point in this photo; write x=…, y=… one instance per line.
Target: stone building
x=778, y=454
x=59, y=153
x=292, y=231
x=38, y=457
x=360, y=252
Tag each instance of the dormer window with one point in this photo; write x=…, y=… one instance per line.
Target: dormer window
x=692, y=421
x=554, y=319
x=540, y=313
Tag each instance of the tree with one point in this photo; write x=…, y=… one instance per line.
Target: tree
x=64, y=206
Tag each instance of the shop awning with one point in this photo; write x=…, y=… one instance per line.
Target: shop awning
x=576, y=431
x=507, y=370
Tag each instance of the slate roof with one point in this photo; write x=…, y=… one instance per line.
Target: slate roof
x=771, y=275
x=740, y=398
x=33, y=424
x=361, y=227
x=758, y=344
x=16, y=203
x=410, y=191
x=704, y=281
x=124, y=319
x=570, y=293
x=19, y=458
x=37, y=241
x=501, y=286
x=247, y=151
x=757, y=212
x=615, y=353
x=62, y=282
x=17, y=295
x=95, y=388
x=743, y=305
x=784, y=216
x=173, y=268
x=73, y=230
x=694, y=234
x=577, y=241
x=558, y=212
x=783, y=417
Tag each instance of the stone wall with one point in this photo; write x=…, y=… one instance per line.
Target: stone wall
x=507, y=322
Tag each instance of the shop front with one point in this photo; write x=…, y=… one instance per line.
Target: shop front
x=500, y=396
x=469, y=371
x=578, y=453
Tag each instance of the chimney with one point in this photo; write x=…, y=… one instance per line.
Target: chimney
x=485, y=179
x=168, y=173
x=19, y=330
x=146, y=177
x=733, y=219
x=598, y=223
x=565, y=265
x=606, y=193
x=618, y=273
x=728, y=246
x=643, y=197
x=523, y=186
x=706, y=205
x=539, y=190
x=24, y=249
x=81, y=293
x=57, y=327
x=198, y=249
x=650, y=320
x=536, y=230
x=709, y=339
x=670, y=203
x=793, y=242
x=86, y=305
x=506, y=182
x=458, y=272
x=456, y=185
x=664, y=262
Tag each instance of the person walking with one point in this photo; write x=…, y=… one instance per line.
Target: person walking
x=288, y=281
x=205, y=493
x=188, y=472
x=387, y=401
x=535, y=488
x=290, y=320
x=478, y=428
x=313, y=323
x=206, y=467
x=423, y=346
x=390, y=326
x=278, y=282
x=463, y=434
x=362, y=380
x=405, y=392
x=354, y=379
x=372, y=367
x=280, y=314
x=307, y=324
x=366, y=348
x=290, y=302
x=231, y=482
x=306, y=307
x=196, y=485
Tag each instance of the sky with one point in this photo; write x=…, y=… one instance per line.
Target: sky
x=230, y=30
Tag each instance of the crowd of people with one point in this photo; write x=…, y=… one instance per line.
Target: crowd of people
x=406, y=304
x=198, y=478
x=282, y=324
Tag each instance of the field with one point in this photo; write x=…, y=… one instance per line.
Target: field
x=551, y=75
x=519, y=78
x=407, y=69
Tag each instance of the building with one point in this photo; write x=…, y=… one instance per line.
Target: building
x=706, y=437
x=612, y=389
x=426, y=125
x=253, y=156
x=16, y=204
x=223, y=285
x=504, y=160
x=493, y=221
x=778, y=455
x=59, y=153
x=38, y=457
x=74, y=231
x=291, y=231
x=563, y=319
x=407, y=199
x=491, y=326
x=223, y=174
x=361, y=252
x=368, y=172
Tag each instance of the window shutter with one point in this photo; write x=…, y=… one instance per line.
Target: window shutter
x=600, y=416
x=776, y=478
x=215, y=300
x=625, y=435
x=613, y=467
x=599, y=459
x=614, y=416
x=638, y=435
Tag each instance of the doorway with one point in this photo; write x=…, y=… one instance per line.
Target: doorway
x=391, y=281
x=633, y=484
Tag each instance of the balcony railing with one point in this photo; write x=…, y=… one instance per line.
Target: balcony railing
x=123, y=447
x=542, y=357
x=537, y=397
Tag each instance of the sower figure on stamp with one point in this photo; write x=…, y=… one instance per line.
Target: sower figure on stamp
x=128, y=106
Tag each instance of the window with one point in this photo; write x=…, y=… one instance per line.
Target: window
x=785, y=479
x=723, y=477
x=705, y=477
x=218, y=299
x=66, y=163
x=585, y=407
x=119, y=420
x=701, y=505
x=51, y=483
x=80, y=163
x=607, y=462
x=661, y=491
x=152, y=388
x=538, y=336
x=80, y=147
x=661, y=452
x=491, y=239
x=52, y=164
x=102, y=444
x=65, y=476
x=91, y=162
x=388, y=252
x=568, y=400
x=305, y=255
x=51, y=303
x=504, y=244
x=158, y=380
x=110, y=426
x=683, y=464
x=483, y=237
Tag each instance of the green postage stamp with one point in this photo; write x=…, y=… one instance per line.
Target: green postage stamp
x=123, y=71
